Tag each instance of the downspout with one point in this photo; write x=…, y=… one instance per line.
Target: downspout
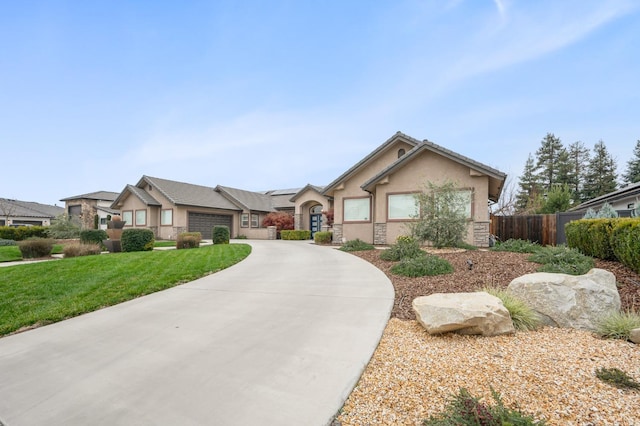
x=373, y=214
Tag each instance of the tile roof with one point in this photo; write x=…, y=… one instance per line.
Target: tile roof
x=143, y=195
x=98, y=195
x=247, y=199
x=18, y=208
x=188, y=194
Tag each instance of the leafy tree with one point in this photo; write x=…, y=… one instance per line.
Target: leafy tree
x=558, y=199
x=281, y=220
x=528, y=185
x=578, y=162
x=601, y=174
x=548, y=164
x=7, y=208
x=64, y=227
x=632, y=175
x=442, y=219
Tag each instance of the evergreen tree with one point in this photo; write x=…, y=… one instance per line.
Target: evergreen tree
x=632, y=175
x=558, y=199
x=528, y=185
x=601, y=173
x=548, y=162
x=578, y=161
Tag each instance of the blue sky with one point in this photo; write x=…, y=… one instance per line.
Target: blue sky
x=277, y=94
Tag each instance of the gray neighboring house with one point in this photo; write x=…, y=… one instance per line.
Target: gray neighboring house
x=85, y=207
x=27, y=213
x=625, y=200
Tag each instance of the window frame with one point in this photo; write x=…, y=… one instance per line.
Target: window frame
x=402, y=219
x=244, y=220
x=130, y=214
x=256, y=217
x=136, y=221
x=366, y=219
x=162, y=221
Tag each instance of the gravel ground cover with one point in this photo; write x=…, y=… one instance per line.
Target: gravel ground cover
x=549, y=373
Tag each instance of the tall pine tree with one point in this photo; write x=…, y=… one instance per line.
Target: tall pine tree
x=528, y=185
x=632, y=175
x=601, y=173
x=548, y=164
x=578, y=163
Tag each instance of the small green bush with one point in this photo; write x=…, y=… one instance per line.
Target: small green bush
x=221, y=235
x=81, y=249
x=295, y=234
x=187, y=240
x=466, y=410
x=5, y=243
x=428, y=265
x=561, y=259
x=618, y=325
x=517, y=246
x=137, y=239
x=522, y=315
x=35, y=247
x=625, y=242
x=323, y=237
x=64, y=227
x=617, y=378
x=404, y=248
x=356, y=245
x=95, y=236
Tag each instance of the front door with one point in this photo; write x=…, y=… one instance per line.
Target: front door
x=316, y=219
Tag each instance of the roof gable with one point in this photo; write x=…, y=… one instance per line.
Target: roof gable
x=307, y=187
x=186, y=194
x=248, y=200
x=98, y=195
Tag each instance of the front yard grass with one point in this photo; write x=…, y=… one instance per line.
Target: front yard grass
x=46, y=292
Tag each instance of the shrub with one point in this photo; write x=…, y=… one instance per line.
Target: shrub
x=618, y=325
x=297, y=234
x=625, y=242
x=241, y=237
x=522, y=315
x=281, y=220
x=93, y=236
x=323, y=237
x=404, y=248
x=617, y=378
x=64, y=227
x=76, y=249
x=464, y=409
x=35, y=247
x=4, y=243
x=561, y=259
x=517, y=246
x=356, y=245
x=137, y=239
x=428, y=265
x=220, y=235
x=187, y=240
x=22, y=232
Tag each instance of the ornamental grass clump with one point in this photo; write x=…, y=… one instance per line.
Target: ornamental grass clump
x=405, y=248
x=617, y=378
x=77, y=249
x=356, y=245
x=427, y=265
x=618, y=325
x=563, y=260
x=517, y=246
x=522, y=315
x=33, y=248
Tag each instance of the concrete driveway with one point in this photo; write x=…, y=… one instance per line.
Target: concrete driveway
x=278, y=339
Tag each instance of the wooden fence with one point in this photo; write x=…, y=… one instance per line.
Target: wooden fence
x=540, y=228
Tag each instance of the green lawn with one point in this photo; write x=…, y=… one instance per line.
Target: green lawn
x=41, y=293
x=164, y=243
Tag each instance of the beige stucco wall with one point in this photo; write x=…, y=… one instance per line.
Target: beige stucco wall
x=304, y=203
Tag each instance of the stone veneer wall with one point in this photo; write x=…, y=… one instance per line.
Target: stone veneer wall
x=297, y=221
x=337, y=233
x=481, y=234
x=380, y=233
x=272, y=233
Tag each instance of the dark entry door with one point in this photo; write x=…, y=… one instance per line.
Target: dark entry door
x=316, y=223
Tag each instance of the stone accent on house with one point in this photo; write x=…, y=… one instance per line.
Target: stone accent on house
x=272, y=233
x=297, y=221
x=380, y=233
x=177, y=230
x=337, y=233
x=481, y=234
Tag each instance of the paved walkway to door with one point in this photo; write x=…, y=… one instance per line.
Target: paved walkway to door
x=278, y=339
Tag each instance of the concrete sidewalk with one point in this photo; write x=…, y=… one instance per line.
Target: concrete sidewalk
x=279, y=339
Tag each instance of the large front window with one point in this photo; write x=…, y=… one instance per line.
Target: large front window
x=141, y=217
x=464, y=200
x=402, y=206
x=166, y=217
x=357, y=209
x=127, y=217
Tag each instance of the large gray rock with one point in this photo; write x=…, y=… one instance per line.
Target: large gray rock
x=464, y=313
x=634, y=336
x=571, y=301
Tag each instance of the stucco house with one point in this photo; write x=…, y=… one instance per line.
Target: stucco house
x=374, y=199
x=27, y=213
x=169, y=208
x=85, y=207
x=625, y=200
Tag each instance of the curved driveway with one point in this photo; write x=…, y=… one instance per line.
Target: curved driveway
x=279, y=339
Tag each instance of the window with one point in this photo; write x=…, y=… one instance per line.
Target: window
x=465, y=200
x=255, y=220
x=244, y=220
x=402, y=206
x=631, y=206
x=103, y=221
x=357, y=209
x=401, y=152
x=141, y=217
x=166, y=217
x=127, y=217
x=75, y=210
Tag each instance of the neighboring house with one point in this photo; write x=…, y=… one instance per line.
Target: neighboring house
x=374, y=200
x=625, y=200
x=86, y=206
x=169, y=208
x=27, y=213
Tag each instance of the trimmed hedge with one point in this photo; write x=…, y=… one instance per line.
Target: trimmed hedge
x=295, y=234
x=221, y=235
x=22, y=232
x=35, y=247
x=323, y=237
x=188, y=240
x=95, y=236
x=625, y=242
x=137, y=239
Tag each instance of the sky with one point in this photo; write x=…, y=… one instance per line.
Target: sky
x=263, y=95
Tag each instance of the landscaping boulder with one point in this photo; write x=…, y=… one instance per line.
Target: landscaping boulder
x=570, y=301
x=463, y=313
x=634, y=336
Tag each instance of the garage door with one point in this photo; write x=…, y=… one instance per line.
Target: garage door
x=204, y=223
